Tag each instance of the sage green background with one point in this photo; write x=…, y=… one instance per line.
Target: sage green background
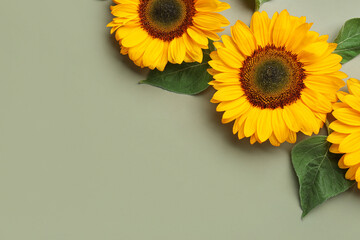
x=86, y=153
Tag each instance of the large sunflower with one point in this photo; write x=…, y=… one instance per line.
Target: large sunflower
x=275, y=78
x=154, y=32
x=346, y=135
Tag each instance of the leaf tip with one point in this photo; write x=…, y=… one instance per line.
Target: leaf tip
x=142, y=82
x=304, y=213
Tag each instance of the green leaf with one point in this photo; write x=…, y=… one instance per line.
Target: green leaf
x=258, y=3
x=348, y=40
x=319, y=176
x=186, y=78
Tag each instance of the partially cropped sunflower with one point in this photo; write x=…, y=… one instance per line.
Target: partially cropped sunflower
x=346, y=135
x=154, y=32
x=275, y=78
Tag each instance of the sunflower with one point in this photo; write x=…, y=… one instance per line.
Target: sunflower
x=275, y=78
x=346, y=134
x=154, y=32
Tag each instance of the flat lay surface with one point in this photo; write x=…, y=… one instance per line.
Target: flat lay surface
x=88, y=153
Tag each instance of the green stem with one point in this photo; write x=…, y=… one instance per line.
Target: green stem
x=327, y=123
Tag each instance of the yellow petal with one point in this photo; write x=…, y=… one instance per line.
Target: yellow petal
x=234, y=113
x=336, y=137
x=227, y=105
x=222, y=67
x=273, y=140
x=338, y=74
x=229, y=58
x=290, y=120
x=350, y=174
x=124, y=50
x=135, y=53
x=309, y=38
x=328, y=94
x=244, y=38
x=350, y=143
x=357, y=175
x=177, y=50
x=338, y=105
x=324, y=71
x=125, y=11
x=113, y=29
x=354, y=86
x=296, y=38
x=334, y=148
x=305, y=118
x=212, y=71
x=205, y=6
x=312, y=51
x=272, y=24
x=257, y=138
x=341, y=95
x=315, y=101
x=218, y=85
x=192, y=48
x=134, y=38
x=211, y=35
x=280, y=129
x=241, y=124
x=221, y=6
x=342, y=127
x=251, y=121
x=264, y=125
x=197, y=36
x=219, y=45
x=323, y=83
x=281, y=30
x=210, y=20
x=292, y=137
x=260, y=23
x=122, y=32
x=164, y=58
x=228, y=93
x=332, y=61
x=320, y=116
x=230, y=45
x=252, y=139
x=227, y=77
x=152, y=54
x=351, y=159
x=352, y=101
x=136, y=2
x=347, y=116
x=236, y=126
x=341, y=162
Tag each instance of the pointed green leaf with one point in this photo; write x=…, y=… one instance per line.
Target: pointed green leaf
x=348, y=40
x=258, y=3
x=185, y=78
x=320, y=178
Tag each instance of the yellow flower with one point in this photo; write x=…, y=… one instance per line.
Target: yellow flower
x=154, y=32
x=275, y=78
x=346, y=135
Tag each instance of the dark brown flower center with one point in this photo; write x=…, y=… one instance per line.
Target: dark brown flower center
x=166, y=19
x=272, y=77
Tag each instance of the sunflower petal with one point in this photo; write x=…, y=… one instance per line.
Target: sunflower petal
x=244, y=38
x=347, y=116
x=354, y=86
x=264, y=125
x=351, y=159
x=350, y=143
x=251, y=121
x=260, y=22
